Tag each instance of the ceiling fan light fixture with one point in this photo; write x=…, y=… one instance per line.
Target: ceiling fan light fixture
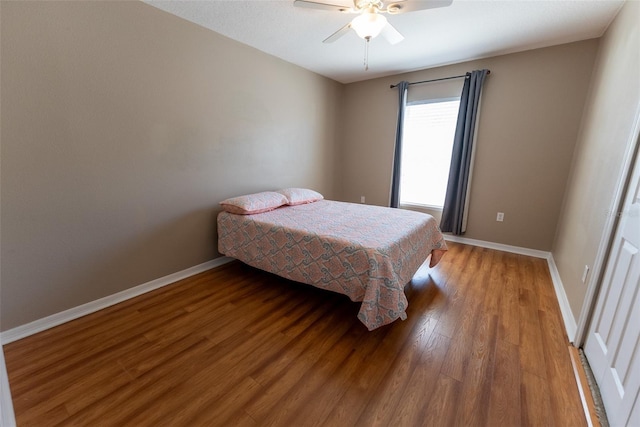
x=369, y=24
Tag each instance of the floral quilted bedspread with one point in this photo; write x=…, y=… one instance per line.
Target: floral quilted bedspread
x=365, y=252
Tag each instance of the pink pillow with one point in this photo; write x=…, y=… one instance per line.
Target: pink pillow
x=254, y=203
x=299, y=196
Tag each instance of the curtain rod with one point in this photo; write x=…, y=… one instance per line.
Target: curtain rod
x=437, y=80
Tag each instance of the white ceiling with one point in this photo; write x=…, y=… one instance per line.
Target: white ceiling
x=468, y=29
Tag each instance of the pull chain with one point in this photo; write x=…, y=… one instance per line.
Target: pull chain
x=366, y=53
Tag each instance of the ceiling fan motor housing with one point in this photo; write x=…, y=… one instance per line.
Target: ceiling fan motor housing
x=370, y=22
x=366, y=4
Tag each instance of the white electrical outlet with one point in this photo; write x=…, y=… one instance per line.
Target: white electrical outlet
x=500, y=217
x=584, y=273
x=361, y=199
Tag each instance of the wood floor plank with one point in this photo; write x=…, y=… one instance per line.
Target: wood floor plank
x=455, y=290
x=231, y=357
x=215, y=411
x=190, y=386
x=535, y=402
x=483, y=344
x=303, y=394
x=508, y=306
x=504, y=405
x=381, y=407
x=372, y=373
x=326, y=397
x=567, y=407
x=439, y=411
x=478, y=373
x=120, y=405
x=290, y=369
x=547, y=301
x=421, y=399
x=461, y=347
x=494, y=286
x=80, y=378
x=531, y=351
x=101, y=337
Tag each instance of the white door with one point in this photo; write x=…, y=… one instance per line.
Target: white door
x=613, y=342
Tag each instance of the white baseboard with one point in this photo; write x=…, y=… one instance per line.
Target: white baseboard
x=7, y=416
x=93, y=306
x=570, y=324
x=76, y=312
x=498, y=246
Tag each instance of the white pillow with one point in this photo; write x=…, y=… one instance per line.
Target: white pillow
x=299, y=196
x=254, y=203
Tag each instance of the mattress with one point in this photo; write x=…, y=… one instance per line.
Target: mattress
x=368, y=253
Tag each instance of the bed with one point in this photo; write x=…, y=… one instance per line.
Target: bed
x=368, y=253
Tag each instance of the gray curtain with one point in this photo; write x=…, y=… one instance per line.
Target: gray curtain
x=455, y=198
x=395, y=177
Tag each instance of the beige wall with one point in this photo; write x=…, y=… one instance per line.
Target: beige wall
x=122, y=129
x=124, y=126
x=605, y=135
x=530, y=114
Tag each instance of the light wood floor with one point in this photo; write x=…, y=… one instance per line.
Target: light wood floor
x=483, y=345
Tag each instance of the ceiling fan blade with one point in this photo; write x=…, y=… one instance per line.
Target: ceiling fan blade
x=335, y=36
x=391, y=34
x=323, y=6
x=404, y=6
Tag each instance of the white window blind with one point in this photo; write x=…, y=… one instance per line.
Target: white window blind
x=429, y=128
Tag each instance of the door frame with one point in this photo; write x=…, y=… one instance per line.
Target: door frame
x=610, y=227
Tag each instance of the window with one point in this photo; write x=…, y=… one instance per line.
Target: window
x=429, y=128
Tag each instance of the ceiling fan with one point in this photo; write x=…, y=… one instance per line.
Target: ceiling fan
x=370, y=21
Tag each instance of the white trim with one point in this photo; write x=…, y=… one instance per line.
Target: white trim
x=7, y=416
x=498, y=246
x=91, y=307
x=597, y=272
x=419, y=206
x=561, y=296
x=582, y=387
x=565, y=309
